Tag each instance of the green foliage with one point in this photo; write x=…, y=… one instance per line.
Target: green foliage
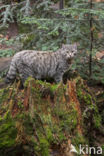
x=6, y=53
x=79, y=139
x=8, y=134
x=11, y=46
x=97, y=120
x=10, y=12
x=26, y=9
x=49, y=28
x=8, y=131
x=6, y=16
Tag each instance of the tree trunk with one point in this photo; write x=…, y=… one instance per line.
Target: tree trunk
x=44, y=119
x=61, y=4
x=12, y=29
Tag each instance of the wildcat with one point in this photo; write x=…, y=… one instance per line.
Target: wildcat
x=40, y=65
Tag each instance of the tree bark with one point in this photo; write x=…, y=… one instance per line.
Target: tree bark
x=61, y=4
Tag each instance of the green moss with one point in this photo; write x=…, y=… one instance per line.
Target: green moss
x=20, y=104
x=79, y=139
x=54, y=87
x=8, y=132
x=97, y=120
x=86, y=97
x=79, y=93
x=23, y=28
x=68, y=120
x=3, y=95
x=44, y=147
x=49, y=134
x=48, y=120
x=29, y=80
x=103, y=147
x=61, y=137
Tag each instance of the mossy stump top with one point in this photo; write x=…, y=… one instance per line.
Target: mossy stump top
x=43, y=119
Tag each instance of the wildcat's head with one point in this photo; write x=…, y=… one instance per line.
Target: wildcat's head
x=69, y=50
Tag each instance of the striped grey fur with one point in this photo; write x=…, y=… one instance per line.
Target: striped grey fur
x=40, y=64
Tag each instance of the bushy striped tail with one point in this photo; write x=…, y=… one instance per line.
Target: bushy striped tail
x=11, y=75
